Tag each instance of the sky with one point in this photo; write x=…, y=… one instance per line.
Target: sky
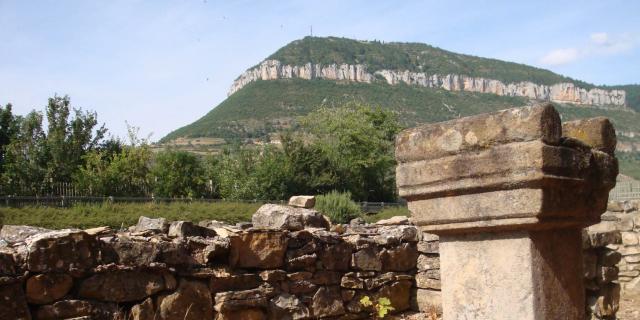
x=159, y=65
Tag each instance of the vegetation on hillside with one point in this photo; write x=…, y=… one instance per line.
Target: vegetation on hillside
x=267, y=106
x=417, y=57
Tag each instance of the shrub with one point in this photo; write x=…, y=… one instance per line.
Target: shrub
x=338, y=206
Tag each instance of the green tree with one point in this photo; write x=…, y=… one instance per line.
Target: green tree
x=68, y=140
x=25, y=158
x=8, y=131
x=358, y=143
x=178, y=174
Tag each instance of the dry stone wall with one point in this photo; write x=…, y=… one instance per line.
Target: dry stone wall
x=297, y=269
x=624, y=217
x=180, y=270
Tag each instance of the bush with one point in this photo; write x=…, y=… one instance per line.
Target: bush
x=338, y=206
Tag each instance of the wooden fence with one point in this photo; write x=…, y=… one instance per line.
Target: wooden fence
x=625, y=190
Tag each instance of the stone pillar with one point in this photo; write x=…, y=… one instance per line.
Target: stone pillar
x=508, y=195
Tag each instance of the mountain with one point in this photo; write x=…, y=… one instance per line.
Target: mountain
x=421, y=83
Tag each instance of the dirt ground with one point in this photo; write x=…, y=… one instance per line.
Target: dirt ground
x=629, y=307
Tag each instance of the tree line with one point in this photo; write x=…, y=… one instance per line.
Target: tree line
x=347, y=149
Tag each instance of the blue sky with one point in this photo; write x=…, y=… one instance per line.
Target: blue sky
x=162, y=64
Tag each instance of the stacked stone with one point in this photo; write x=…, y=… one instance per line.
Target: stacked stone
x=601, y=272
x=427, y=297
x=289, y=265
x=624, y=216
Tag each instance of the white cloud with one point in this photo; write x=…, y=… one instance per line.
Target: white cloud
x=599, y=38
x=560, y=56
x=600, y=44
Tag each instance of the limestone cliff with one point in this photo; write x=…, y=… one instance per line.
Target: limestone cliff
x=560, y=92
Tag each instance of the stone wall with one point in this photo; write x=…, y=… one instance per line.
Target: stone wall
x=624, y=216
x=290, y=265
x=179, y=270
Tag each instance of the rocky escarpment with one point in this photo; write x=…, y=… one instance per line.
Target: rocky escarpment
x=560, y=92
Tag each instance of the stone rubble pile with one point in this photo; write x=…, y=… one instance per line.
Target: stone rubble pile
x=288, y=265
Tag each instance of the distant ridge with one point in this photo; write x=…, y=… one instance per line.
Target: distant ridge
x=421, y=83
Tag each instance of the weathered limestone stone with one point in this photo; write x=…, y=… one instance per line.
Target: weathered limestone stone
x=122, y=286
x=275, y=216
x=192, y=300
x=246, y=299
x=46, y=288
x=189, y=229
x=597, y=133
x=287, y=307
x=394, y=221
x=367, y=259
x=62, y=250
x=258, y=249
x=508, y=198
x=400, y=258
x=144, y=311
x=13, y=304
x=399, y=293
x=135, y=253
x=428, y=301
x=152, y=224
x=71, y=309
x=12, y=233
x=479, y=132
x=327, y=302
x=244, y=314
x=302, y=201
x=423, y=281
x=234, y=282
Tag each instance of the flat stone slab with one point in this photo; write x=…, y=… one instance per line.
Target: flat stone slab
x=431, y=141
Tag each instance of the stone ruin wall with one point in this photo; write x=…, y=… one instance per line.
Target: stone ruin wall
x=282, y=268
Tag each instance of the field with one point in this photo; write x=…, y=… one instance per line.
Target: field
x=117, y=215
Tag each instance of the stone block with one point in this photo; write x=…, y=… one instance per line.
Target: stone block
x=122, y=286
x=62, y=251
x=327, y=302
x=13, y=304
x=367, y=259
x=191, y=301
x=597, y=133
x=46, y=288
x=275, y=216
x=629, y=238
x=432, y=141
x=14, y=233
x=258, y=249
x=427, y=301
x=245, y=299
x=525, y=270
x=72, y=309
x=287, y=307
x=423, y=281
x=152, y=225
x=307, y=202
x=400, y=258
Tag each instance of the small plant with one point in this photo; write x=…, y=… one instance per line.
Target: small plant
x=338, y=206
x=382, y=307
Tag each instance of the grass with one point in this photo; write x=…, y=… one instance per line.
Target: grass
x=386, y=214
x=116, y=215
